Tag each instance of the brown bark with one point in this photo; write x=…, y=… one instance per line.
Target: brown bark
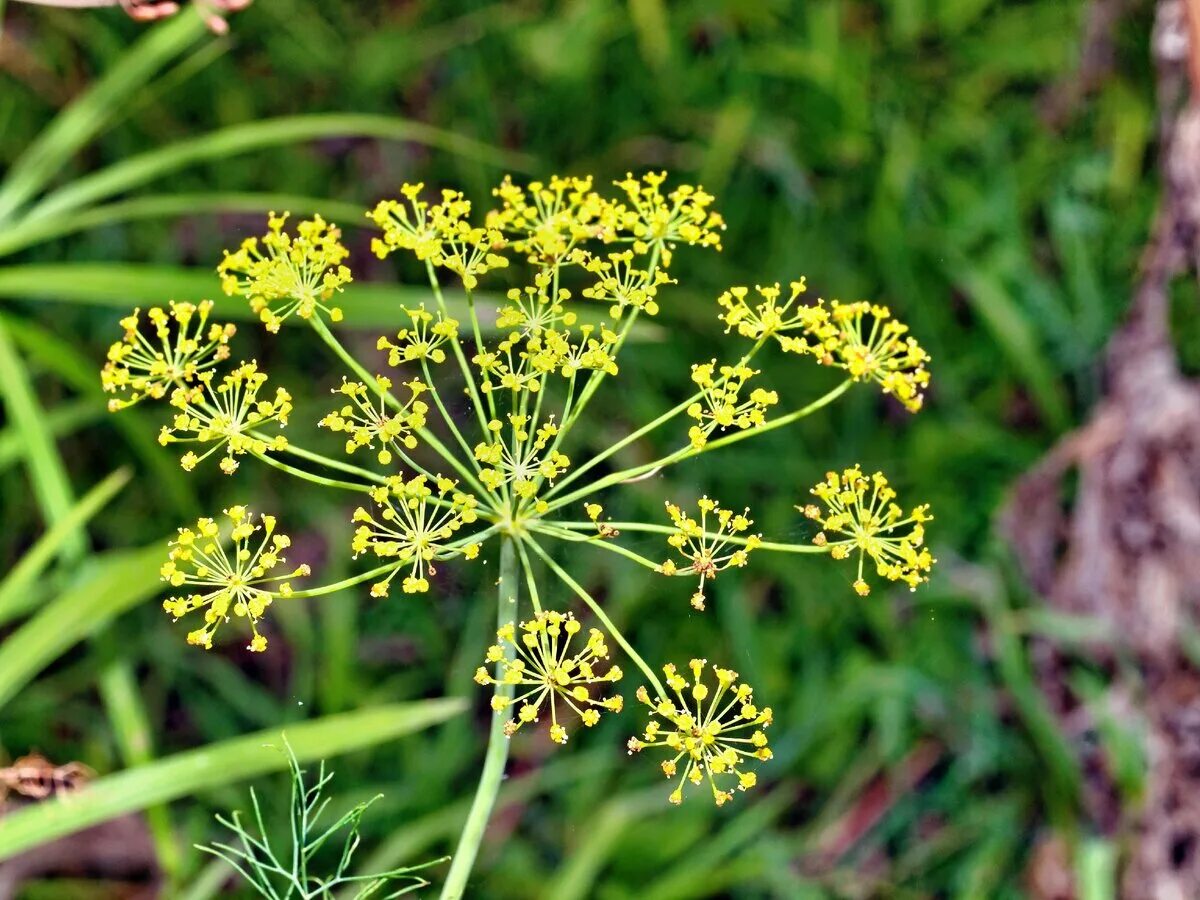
x=1127, y=549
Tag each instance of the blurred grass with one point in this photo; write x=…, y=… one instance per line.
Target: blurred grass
x=894, y=151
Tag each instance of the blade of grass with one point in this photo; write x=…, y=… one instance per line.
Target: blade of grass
x=127, y=716
x=61, y=421
x=87, y=116
x=216, y=765
x=107, y=587
x=22, y=235
x=136, y=171
x=46, y=469
x=120, y=286
x=14, y=587
x=577, y=879
x=1016, y=338
x=688, y=877
x=210, y=882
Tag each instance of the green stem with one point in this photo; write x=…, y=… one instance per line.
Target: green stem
x=343, y=584
x=449, y=420
x=346, y=467
x=624, y=475
x=370, y=381
x=468, y=375
x=823, y=400
x=668, y=529
x=621, y=444
x=595, y=540
x=644, y=430
x=353, y=364
x=599, y=614
x=316, y=479
x=689, y=451
x=497, y=749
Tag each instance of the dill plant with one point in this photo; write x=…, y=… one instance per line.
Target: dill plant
x=289, y=870
x=506, y=479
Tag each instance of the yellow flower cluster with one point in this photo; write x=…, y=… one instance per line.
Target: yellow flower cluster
x=367, y=418
x=422, y=340
x=865, y=341
x=547, y=220
x=221, y=582
x=766, y=316
x=721, y=405
x=282, y=274
x=546, y=664
x=863, y=516
x=532, y=311
x=709, y=551
x=683, y=215
x=714, y=738
x=415, y=525
x=861, y=338
x=226, y=416
x=525, y=462
x=624, y=285
x=441, y=234
x=187, y=344
x=523, y=359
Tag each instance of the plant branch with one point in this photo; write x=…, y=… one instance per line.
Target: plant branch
x=497, y=749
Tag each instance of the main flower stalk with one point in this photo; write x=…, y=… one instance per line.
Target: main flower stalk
x=496, y=756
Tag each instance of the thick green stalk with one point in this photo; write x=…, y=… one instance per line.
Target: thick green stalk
x=497, y=750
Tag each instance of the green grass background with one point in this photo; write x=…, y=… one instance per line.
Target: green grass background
x=898, y=151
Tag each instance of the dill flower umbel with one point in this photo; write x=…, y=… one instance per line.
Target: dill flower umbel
x=368, y=418
x=281, y=274
x=422, y=340
x=497, y=403
x=547, y=220
x=714, y=739
x=861, y=338
x=862, y=515
x=709, y=551
x=221, y=582
x=721, y=405
x=187, y=345
x=226, y=416
x=623, y=284
x=415, y=525
x=765, y=316
x=547, y=665
x=682, y=216
x=440, y=234
x=523, y=460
